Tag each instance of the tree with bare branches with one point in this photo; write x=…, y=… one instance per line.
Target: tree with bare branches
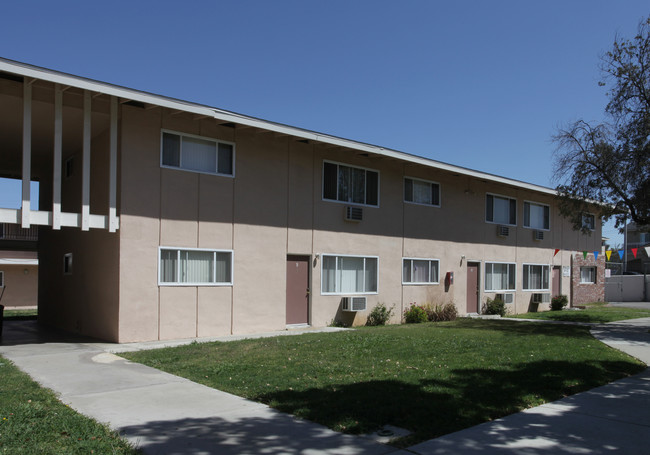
x=609, y=163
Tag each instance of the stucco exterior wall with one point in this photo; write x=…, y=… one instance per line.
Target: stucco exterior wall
x=20, y=286
x=274, y=207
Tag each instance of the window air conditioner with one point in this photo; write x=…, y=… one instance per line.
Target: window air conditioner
x=538, y=235
x=353, y=303
x=542, y=297
x=353, y=213
x=507, y=298
x=503, y=231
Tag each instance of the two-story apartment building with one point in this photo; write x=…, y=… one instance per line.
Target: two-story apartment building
x=165, y=219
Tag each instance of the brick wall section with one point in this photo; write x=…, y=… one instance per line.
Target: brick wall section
x=585, y=293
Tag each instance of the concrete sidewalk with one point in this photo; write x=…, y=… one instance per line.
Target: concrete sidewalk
x=165, y=414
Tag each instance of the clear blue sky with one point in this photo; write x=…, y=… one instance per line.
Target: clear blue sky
x=473, y=83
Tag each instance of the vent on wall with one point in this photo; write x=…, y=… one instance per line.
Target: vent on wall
x=541, y=298
x=353, y=213
x=353, y=303
x=503, y=231
x=538, y=235
x=507, y=298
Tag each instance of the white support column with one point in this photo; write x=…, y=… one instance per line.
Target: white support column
x=85, y=163
x=58, y=146
x=112, y=189
x=27, y=152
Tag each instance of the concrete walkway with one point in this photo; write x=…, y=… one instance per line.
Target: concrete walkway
x=165, y=414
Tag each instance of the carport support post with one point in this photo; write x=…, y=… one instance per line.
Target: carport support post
x=85, y=162
x=112, y=189
x=58, y=146
x=27, y=152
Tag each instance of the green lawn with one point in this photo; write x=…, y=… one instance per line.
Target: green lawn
x=33, y=421
x=431, y=379
x=20, y=314
x=596, y=312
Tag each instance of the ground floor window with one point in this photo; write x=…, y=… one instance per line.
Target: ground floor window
x=420, y=271
x=349, y=275
x=536, y=277
x=500, y=276
x=195, y=267
x=588, y=275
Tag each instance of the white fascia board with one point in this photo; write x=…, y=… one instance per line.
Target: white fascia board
x=30, y=71
x=10, y=261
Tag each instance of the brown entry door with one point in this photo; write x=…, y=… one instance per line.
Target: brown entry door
x=297, y=289
x=556, y=288
x=472, y=287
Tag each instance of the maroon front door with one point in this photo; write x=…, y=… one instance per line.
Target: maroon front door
x=472, y=287
x=556, y=288
x=297, y=289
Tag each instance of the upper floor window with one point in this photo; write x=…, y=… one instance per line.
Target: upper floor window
x=199, y=154
x=195, y=267
x=537, y=216
x=421, y=192
x=420, y=271
x=500, y=276
x=500, y=209
x=350, y=184
x=536, y=277
x=589, y=221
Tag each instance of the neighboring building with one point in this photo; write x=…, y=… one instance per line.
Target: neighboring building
x=166, y=219
x=638, y=239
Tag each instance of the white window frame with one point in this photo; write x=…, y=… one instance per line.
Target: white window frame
x=337, y=284
x=178, y=265
x=523, y=275
x=595, y=274
x=500, y=196
x=67, y=264
x=323, y=198
x=430, y=182
x=485, y=280
x=589, y=216
x=539, y=204
x=430, y=260
x=203, y=138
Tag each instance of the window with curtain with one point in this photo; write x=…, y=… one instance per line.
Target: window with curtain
x=500, y=276
x=195, y=267
x=420, y=271
x=587, y=275
x=421, y=192
x=537, y=216
x=589, y=221
x=536, y=277
x=350, y=184
x=500, y=210
x=348, y=275
x=195, y=153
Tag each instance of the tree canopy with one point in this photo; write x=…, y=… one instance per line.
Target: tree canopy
x=609, y=163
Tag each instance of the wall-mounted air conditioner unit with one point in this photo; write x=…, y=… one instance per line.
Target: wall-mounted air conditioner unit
x=353, y=303
x=538, y=235
x=507, y=297
x=541, y=297
x=503, y=231
x=353, y=213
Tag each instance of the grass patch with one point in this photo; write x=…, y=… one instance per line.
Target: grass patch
x=596, y=312
x=20, y=315
x=432, y=378
x=33, y=421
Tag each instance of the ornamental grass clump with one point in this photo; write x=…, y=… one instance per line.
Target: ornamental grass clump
x=439, y=313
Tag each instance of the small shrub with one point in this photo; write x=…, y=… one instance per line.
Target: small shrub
x=336, y=323
x=444, y=312
x=415, y=314
x=559, y=302
x=379, y=315
x=496, y=306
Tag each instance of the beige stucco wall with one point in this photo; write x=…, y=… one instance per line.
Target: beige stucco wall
x=20, y=286
x=273, y=207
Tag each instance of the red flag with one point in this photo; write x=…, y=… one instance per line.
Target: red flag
x=557, y=250
x=634, y=250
